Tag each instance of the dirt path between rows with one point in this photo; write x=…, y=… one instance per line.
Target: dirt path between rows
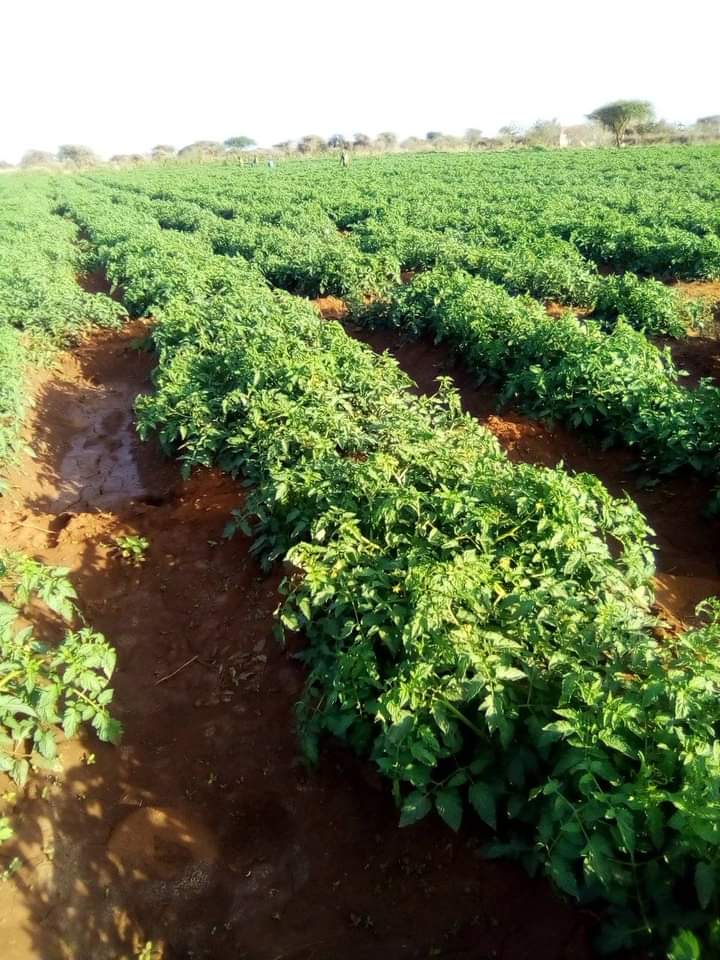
x=204, y=832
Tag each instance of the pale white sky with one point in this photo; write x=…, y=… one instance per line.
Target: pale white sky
x=123, y=76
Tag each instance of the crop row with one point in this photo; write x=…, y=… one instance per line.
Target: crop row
x=41, y=304
x=60, y=680
x=566, y=369
x=303, y=252
x=469, y=627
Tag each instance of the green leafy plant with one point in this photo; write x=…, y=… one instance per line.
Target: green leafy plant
x=567, y=369
x=149, y=951
x=483, y=632
x=131, y=548
x=47, y=684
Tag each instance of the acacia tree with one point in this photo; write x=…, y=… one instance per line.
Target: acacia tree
x=387, y=139
x=708, y=126
x=121, y=159
x=510, y=133
x=618, y=116
x=310, y=143
x=240, y=142
x=38, y=158
x=162, y=151
x=76, y=153
x=202, y=150
x=413, y=143
x=338, y=142
x=473, y=136
x=544, y=133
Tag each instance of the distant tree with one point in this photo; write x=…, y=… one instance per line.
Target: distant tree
x=544, y=133
x=361, y=140
x=162, y=151
x=414, y=143
x=4, y=165
x=434, y=135
x=311, y=143
x=38, y=158
x=708, y=127
x=202, y=150
x=387, y=139
x=284, y=145
x=619, y=115
x=338, y=142
x=77, y=154
x=242, y=143
x=448, y=142
x=511, y=131
x=473, y=136
x=125, y=158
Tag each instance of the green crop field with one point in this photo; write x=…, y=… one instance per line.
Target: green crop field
x=483, y=631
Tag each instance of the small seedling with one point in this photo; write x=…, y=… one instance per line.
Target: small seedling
x=150, y=952
x=131, y=549
x=12, y=868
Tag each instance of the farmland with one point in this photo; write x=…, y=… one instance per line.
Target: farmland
x=502, y=638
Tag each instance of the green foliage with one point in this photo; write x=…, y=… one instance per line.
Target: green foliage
x=41, y=305
x=618, y=116
x=240, y=142
x=132, y=549
x=648, y=305
x=13, y=401
x=44, y=684
x=39, y=265
x=570, y=370
x=482, y=631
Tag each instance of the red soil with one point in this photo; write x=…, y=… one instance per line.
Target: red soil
x=699, y=355
x=332, y=308
x=554, y=309
x=204, y=831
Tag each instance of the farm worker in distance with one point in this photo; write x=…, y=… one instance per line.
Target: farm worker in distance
x=344, y=159
x=271, y=163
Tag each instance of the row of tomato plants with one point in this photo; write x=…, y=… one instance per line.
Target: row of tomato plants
x=518, y=194
x=511, y=214
x=469, y=627
x=566, y=369
x=547, y=268
x=302, y=252
x=43, y=685
x=41, y=304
